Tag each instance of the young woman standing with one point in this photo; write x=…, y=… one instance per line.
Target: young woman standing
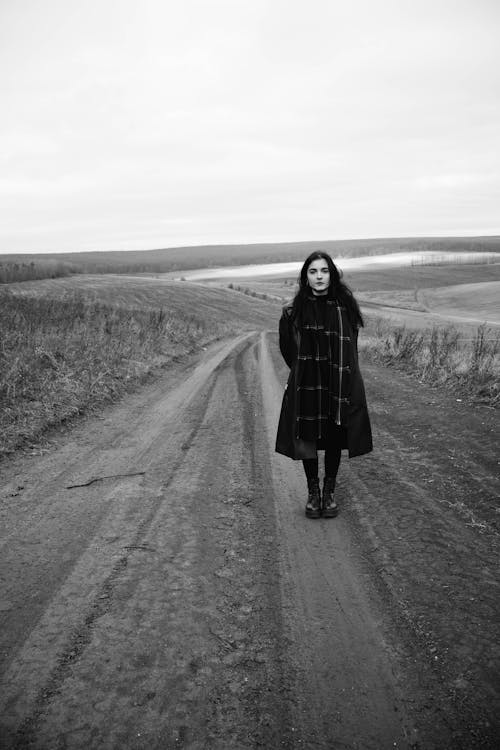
x=324, y=405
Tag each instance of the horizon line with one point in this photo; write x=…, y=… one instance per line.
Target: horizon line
x=213, y=245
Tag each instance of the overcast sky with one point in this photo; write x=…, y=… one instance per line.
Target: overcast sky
x=134, y=124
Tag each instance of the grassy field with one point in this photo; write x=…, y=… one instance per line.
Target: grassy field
x=212, y=304
x=481, y=300
x=70, y=345
x=478, y=301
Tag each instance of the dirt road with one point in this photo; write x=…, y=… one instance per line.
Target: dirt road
x=162, y=588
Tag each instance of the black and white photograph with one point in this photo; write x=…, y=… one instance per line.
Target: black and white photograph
x=249, y=375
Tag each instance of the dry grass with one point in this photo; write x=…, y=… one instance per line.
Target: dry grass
x=59, y=357
x=441, y=356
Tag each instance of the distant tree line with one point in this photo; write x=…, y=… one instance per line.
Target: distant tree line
x=11, y=272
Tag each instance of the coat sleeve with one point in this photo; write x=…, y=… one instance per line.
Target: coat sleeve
x=286, y=339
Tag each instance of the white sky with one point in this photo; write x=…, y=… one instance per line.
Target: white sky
x=134, y=124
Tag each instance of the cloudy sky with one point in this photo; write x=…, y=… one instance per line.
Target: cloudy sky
x=130, y=124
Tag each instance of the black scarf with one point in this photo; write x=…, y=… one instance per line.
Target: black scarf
x=324, y=366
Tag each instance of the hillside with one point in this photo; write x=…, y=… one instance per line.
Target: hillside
x=17, y=267
x=220, y=307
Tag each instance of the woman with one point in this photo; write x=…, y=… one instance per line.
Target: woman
x=324, y=405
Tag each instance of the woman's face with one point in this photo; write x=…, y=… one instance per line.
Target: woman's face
x=318, y=276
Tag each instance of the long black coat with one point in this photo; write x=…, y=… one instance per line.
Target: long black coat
x=358, y=428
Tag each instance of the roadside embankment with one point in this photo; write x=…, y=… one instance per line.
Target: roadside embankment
x=61, y=356
x=467, y=363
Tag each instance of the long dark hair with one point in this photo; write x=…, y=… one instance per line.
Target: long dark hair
x=337, y=289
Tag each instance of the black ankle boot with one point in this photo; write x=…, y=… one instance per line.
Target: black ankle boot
x=330, y=507
x=313, y=507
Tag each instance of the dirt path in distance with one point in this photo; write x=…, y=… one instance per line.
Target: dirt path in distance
x=161, y=587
